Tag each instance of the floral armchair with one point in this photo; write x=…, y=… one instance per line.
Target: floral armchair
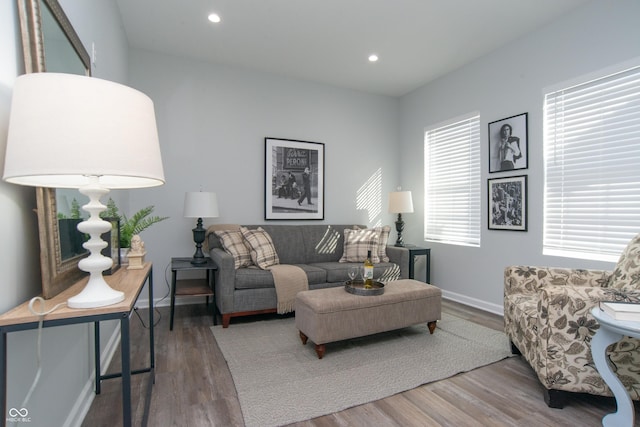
x=547, y=318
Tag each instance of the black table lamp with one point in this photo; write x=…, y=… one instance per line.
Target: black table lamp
x=400, y=202
x=200, y=204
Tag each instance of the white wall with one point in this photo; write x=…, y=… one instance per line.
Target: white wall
x=64, y=389
x=212, y=121
x=507, y=82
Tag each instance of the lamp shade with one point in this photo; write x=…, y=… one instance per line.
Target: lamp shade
x=400, y=202
x=200, y=204
x=65, y=128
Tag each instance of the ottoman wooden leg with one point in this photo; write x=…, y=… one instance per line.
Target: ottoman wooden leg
x=320, y=350
x=304, y=338
x=432, y=327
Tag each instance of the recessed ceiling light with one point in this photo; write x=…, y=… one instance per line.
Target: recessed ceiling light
x=373, y=57
x=214, y=17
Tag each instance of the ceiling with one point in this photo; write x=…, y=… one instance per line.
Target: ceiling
x=329, y=41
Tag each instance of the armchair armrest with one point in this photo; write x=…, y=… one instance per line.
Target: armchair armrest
x=520, y=279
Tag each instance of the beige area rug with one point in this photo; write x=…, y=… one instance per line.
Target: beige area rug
x=280, y=381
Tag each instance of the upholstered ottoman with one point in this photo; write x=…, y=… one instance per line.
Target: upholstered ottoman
x=328, y=315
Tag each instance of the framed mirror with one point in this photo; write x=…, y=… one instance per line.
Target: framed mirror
x=50, y=43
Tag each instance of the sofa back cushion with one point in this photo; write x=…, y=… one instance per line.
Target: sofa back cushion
x=626, y=275
x=304, y=244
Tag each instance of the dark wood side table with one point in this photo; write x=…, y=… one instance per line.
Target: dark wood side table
x=417, y=251
x=192, y=287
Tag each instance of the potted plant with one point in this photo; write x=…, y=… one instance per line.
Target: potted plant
x=129, y=227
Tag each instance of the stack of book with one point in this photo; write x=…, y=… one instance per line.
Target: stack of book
x=629, y=311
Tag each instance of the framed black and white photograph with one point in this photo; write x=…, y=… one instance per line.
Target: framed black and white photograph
x=294, y=179
x=509, y=144
x=508, y=203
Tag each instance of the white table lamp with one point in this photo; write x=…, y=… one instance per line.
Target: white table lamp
x=400, y=202
x=71, y=131
x=200, y=204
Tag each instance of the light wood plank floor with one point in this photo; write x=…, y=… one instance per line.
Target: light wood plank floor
x=194, y=387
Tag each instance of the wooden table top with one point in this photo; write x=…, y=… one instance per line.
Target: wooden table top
x=130, y=282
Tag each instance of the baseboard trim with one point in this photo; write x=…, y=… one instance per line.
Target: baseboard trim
x=462, y=299
x=474, y=302
x=87, y=395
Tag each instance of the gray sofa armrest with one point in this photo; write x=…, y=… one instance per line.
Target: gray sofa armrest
x=225, y=279
x=399, y=256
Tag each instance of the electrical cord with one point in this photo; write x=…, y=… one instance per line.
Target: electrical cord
x=154, y=306
x=40, y=315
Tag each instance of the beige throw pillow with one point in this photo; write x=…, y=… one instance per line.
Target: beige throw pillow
x=382, y=244
x=358, y=242
x=263, y=252
x=232, y=241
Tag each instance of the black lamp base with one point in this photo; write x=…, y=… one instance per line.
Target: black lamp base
x=399, y=228
x=198, y=237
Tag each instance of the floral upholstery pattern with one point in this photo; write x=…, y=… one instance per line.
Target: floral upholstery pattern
x=547, y=317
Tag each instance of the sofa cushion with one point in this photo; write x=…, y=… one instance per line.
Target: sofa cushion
x=358, y=242
x=263, y=253
x=288, y=241
x=626, y=275
x=233, y=242
x=339, y=271
x=252, y=277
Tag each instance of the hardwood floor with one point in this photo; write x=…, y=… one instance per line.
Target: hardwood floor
x=194, y=387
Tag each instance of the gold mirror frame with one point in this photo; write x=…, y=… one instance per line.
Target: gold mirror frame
x=57, y=274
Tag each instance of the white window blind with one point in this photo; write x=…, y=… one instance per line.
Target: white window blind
x=452, y=182
x=592, y=167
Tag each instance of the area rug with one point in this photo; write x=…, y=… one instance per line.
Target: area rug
x=279, y=381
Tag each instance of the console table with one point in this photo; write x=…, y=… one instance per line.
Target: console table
x=131, y=283
x=611, y=331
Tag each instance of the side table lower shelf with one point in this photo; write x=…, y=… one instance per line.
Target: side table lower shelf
x=190, y=287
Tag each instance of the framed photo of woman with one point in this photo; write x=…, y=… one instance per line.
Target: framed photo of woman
x=509, y=144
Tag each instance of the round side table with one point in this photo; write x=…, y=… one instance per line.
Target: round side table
x=612, y=331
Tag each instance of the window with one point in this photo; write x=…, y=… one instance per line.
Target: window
x=452, y=182
x=592, y=167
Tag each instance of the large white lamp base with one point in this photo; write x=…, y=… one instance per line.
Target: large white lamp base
x=96, y=293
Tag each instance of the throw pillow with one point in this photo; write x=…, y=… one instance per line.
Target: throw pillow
x=232, y=242
x=626, y=275
x=358, y=242
x=382, y=244
x=263, y=252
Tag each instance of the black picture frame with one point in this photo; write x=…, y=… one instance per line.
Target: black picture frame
x=507, y=203
x=512, y=153
x=290, y=193
x=112, y=250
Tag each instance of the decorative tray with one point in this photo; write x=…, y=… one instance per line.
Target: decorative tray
x=356, y=287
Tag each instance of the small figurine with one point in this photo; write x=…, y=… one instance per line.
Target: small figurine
x=136, y=254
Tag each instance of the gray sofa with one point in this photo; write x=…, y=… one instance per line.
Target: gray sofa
x=316, y=248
